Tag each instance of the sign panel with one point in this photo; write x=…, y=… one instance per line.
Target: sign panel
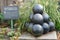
x=11, y=12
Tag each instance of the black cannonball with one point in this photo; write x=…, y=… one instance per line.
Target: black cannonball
x=29, y=29
x=37, y=30
x=27, y=25
x=37, y=19
x=52, y=26
x=31, y=15
x=45, y=17
x=46, y=28
x=38, y=9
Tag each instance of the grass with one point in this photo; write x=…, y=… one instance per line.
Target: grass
x=50, y=7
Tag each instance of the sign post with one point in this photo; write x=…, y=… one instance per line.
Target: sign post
x=11, y=13
x=11, y=24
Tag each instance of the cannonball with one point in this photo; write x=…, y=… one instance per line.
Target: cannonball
x=29, y=29
x=38, y=9
x=45, y=17
x=37, y=19
x=52, y=26
x=37, y=30
x=31, y=15
x=27, y=25
x=46, y=28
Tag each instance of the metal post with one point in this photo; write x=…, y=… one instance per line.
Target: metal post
x=11, y=24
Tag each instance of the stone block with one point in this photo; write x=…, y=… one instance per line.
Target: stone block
x=48, y=36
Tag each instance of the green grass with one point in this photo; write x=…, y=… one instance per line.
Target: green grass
x=50, y=7
x=1, y=16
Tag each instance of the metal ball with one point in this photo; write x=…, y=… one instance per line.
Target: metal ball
x=52, y=26
x=31, y=15
x=37, y=30
x=37, y=19
x=46, y=28
x=27, y=25
x=45, y=17
x=29, y=29
x=38, y=9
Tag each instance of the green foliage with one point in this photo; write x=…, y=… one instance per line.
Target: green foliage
x=10, y=34
x=1, y=16
x=24, y=14
x=50, y=7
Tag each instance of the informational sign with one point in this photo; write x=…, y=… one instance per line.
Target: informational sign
x=11, y=12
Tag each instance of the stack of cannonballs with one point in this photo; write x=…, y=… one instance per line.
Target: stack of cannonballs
x=40, y=23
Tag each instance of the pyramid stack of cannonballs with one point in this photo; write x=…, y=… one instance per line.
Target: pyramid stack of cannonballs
x=40, y=23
